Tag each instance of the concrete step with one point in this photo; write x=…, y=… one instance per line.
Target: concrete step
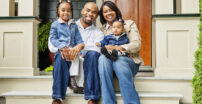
x=44, y=97
x=142, y=84
x=143, y=73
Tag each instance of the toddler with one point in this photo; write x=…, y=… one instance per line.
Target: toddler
x=119, y=37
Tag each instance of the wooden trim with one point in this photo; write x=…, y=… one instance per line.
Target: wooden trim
x=174, y=15
x=174, y=6
x=19, y=17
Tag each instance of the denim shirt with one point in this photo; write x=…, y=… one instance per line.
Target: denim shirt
x=62, y=34
x=112, y=40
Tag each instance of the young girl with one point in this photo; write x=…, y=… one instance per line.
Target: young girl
x=65, y=36
x=119, y=37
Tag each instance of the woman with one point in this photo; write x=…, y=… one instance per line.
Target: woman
x=124, y=67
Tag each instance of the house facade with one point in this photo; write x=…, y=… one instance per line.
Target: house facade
x=169, y=31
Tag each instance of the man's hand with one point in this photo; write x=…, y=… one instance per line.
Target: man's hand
x=73, y=53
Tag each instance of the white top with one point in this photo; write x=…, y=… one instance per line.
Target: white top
x=90, y=36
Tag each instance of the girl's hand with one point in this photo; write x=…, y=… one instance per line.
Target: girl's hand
x=65, y=53
x=73, y=53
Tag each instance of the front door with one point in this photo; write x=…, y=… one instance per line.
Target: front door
x=140, y=12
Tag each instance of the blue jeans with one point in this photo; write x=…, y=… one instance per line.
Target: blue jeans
x=125, y=69
x=60, y=77
x=91, y=76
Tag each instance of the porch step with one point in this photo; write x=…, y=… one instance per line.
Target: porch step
x=142, y=84
x=44, y=97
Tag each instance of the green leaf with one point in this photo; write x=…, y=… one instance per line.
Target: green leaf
x=43, y=34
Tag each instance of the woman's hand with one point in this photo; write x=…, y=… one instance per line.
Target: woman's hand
x=65, y=53
x=120, y=48
x=73, y=53
x=111, y=47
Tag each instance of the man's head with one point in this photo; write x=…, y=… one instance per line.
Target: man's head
x=89, y=13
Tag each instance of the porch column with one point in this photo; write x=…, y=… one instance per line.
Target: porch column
x=18, y=40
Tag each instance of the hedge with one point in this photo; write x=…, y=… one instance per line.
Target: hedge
x=197, y=79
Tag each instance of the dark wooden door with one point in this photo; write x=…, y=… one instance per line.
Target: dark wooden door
x=140, y=12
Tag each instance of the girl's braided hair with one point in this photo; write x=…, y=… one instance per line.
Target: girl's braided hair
x=60, y=2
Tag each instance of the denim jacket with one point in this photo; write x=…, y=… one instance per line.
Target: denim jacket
x=64, y=34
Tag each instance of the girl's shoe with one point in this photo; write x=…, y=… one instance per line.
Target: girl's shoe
x=57, y=101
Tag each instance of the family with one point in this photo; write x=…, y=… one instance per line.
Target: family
x=112, y=50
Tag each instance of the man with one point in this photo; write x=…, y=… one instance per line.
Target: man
x=90, y=35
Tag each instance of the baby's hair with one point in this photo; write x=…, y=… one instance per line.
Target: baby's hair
x=66, y=0
x=60, y=2
x=119, y=20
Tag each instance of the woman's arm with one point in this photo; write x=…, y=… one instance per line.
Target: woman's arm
x=133, y=34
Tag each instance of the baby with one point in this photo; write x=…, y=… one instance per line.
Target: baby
x=119, y=37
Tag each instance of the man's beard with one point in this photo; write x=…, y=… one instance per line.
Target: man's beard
x=87, y=22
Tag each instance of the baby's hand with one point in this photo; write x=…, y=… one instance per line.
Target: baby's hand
x=97, y=44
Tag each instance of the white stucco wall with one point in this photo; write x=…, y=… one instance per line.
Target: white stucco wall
x=189, y=6
x=7, y=7
x=162, y=6
x=28, y=8
x=166, y=6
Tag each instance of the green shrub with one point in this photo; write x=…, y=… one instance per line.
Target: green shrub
x=43, y=34
x=197, y=80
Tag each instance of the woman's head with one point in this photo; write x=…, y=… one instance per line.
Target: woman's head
x=64, y=10
x=109, y=12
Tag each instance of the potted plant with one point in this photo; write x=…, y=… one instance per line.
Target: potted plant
x=45, y=57
x=43, y=34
